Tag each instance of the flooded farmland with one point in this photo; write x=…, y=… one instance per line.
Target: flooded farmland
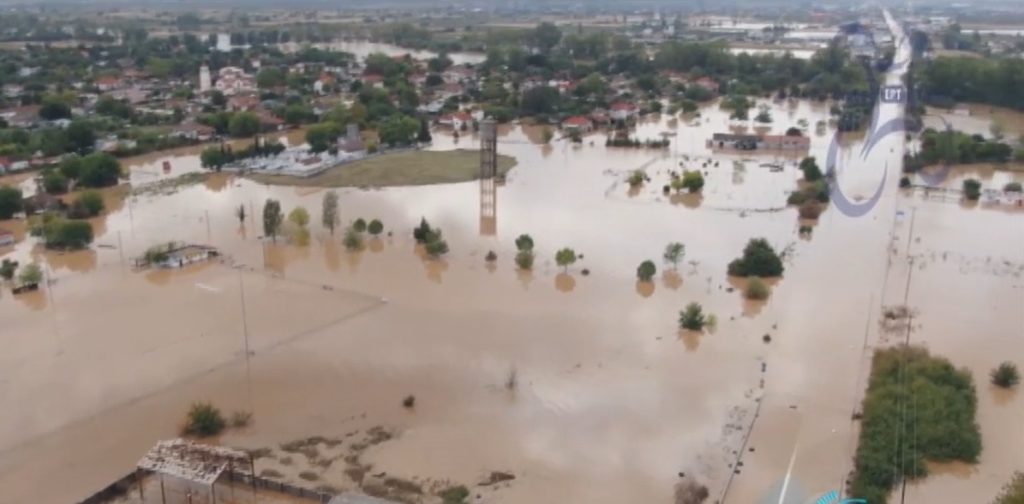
x=608, y=402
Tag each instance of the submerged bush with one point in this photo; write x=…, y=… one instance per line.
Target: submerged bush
x=757, y=290
x=524, y=259
x=692, y=317
x=204, y=420
x=972, y=189
x=1005, y=375
x=759, y=259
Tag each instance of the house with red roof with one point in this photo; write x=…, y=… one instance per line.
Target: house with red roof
x=108, y=82
x=373, y=80
x=579, y=124
x=624, y=111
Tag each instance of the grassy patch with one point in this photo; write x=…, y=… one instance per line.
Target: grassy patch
x=398, y=169
x=918, y=408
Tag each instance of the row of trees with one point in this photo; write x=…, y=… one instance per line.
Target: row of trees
x=215, y=157
x=954, y=147
x=997, y=81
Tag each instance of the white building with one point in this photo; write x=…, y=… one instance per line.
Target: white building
x=205, y=83
x=234, y=80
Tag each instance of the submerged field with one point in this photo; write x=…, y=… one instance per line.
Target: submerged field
x=409, y=168
x=610, y=401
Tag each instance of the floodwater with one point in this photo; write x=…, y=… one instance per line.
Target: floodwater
x=804, y=54
x=611, y=401
x=363, y=48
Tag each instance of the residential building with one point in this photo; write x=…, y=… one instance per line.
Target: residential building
x=6, y=237
x=458, y=120
x=205, y=82
x=624, y=111
x=579, y=124
x=234, y=80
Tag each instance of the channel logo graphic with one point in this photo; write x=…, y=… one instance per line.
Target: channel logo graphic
x=833, y=498
x=893, y=94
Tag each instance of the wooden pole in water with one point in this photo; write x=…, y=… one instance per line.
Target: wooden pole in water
x=138, y=479
x=163, y=494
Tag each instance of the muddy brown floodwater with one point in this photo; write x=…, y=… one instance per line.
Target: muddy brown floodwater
x=610, y=401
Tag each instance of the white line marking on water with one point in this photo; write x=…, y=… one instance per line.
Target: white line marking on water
x=789, y=475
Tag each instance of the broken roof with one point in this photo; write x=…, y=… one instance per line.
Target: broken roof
x=191, y=461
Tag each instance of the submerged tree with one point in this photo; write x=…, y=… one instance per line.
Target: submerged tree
x=692, y=318
x=645, y=272
x=759, y=259
x=524, y=242
x=674, y=253
x=375, y=227
x=565, y=258
x=272, y=218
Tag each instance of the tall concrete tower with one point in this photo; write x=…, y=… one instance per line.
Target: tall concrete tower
x=488, y=171
x=204, y=79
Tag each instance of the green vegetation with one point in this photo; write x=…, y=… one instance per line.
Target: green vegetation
x=636, y=178
x=524, y=259
x=972, y=189
x=203, y=420
x=809, y=166
x=524, y=242
x=757, y=290
x=321, y=137
x=565, y=258
x=397, y=169
x=954, y=147
x=353, y=240
x=674, y=253
x=759, y=259
x=375, y=227
x=299, y=216
x=1005, y=375
x=359, y=224
x=60, y=233
x=645, y=272
x=944, y=404
x=272, y=218
x=30, y=274
x=431, y=239
x=454, y=495
x=10, y=201
x=244, y=124
x=329, y=216
x=692, y=318
x=7, y=269
x=693, y=181
x=1013, y=492
x=88, y=204
x=215, y=157
x=992, y=80
x=816, y=191
x=435, y=245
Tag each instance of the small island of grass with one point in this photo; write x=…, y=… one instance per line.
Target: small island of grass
x=398, y=169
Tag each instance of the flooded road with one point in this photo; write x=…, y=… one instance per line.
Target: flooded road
x=610, y=402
